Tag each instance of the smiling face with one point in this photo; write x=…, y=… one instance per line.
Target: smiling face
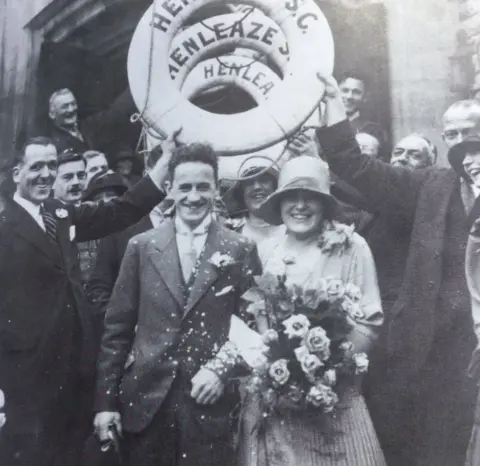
x=64, y=110
x=302, y=213
x=35, y=174
x=70, y=182
x=352, y=92
x=193, y=190
x=412, y=152
x=471, y=164
x=256, y=190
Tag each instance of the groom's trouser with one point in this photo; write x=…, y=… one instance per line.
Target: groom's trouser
x=184, y=433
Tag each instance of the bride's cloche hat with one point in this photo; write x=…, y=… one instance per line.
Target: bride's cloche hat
x=300, y=173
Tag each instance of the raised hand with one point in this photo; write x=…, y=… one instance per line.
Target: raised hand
x=334, y=111
x=159, y=172
x=303, y=144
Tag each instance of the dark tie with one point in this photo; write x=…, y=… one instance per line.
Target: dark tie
x=50, y=225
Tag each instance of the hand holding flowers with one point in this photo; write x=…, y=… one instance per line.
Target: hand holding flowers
x=308, y=347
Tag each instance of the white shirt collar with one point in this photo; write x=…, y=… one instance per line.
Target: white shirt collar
x=182, y=228
x=31, y=208
x=354, y=116
x=476, y=190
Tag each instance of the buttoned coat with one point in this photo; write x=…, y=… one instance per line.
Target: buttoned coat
x=153, y=332
x=39, y=280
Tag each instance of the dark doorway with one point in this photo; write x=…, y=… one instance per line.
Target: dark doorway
x=360, y=37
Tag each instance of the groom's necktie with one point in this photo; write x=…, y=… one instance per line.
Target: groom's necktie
x=188, y=257
x=50, y=225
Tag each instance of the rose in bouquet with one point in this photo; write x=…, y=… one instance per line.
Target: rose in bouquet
x=308, y=348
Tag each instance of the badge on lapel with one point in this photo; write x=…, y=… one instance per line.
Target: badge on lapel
x=61, y=213
x=72, y=232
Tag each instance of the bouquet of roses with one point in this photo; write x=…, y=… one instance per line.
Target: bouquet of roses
x=307, y=342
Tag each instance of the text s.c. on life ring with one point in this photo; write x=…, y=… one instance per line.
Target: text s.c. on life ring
x=289, y=105
x=220, y=33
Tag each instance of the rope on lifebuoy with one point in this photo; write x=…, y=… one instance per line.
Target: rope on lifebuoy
x=290, y=104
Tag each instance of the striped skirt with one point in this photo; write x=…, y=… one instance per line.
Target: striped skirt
x=301, y=439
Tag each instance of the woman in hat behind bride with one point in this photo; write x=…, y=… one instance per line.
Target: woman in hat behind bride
x=304, y=205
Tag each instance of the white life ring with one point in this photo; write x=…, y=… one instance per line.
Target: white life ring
x=257, y=79
x=164, y=108
x=221, y=32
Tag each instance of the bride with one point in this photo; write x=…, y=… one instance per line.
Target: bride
x=312, y=248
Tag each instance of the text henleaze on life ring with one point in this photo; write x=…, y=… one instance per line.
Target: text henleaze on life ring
x=255, y=30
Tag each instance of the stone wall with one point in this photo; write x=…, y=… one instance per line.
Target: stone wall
x=422, y=37
x=469, y=15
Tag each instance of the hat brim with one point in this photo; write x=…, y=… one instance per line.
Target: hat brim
x=270, y=209
x=457, y=154
x=236, y=192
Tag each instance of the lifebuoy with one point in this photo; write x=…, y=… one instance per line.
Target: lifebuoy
x=255, y=78
x=289, y=105
x=222, y=32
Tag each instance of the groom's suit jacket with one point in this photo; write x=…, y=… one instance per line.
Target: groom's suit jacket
x=155, y=331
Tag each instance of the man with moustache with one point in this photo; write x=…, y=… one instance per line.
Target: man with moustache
x=67, y=131
x=165, y=361
x=428, y=399
x=71, y=177
x=47, y=344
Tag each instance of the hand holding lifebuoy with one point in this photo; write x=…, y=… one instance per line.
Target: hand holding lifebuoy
x=164, y=108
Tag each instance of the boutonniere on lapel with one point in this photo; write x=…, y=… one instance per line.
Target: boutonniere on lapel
x=61, y=213
x=221, y=261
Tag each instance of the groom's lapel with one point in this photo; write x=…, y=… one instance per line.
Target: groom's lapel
x=207, y=273
x=163, y=254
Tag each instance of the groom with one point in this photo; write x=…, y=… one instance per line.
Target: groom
x=165, y=363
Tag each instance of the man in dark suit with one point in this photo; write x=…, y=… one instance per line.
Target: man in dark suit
x=428, y=399
x=165, y=362
x=47, y=350
x=68, y=132
x=110, y=250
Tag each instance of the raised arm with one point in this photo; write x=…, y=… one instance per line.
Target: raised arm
x=387, y=189
x=95, y=220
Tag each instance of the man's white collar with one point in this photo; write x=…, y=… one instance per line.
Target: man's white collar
x=29, y=206
x=183, y=229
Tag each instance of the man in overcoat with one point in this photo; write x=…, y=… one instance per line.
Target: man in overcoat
x=165, y=361
x=47, y=343
x=428, y=398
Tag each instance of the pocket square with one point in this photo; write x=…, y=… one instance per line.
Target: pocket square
x=72, y=232
x=224, y=290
